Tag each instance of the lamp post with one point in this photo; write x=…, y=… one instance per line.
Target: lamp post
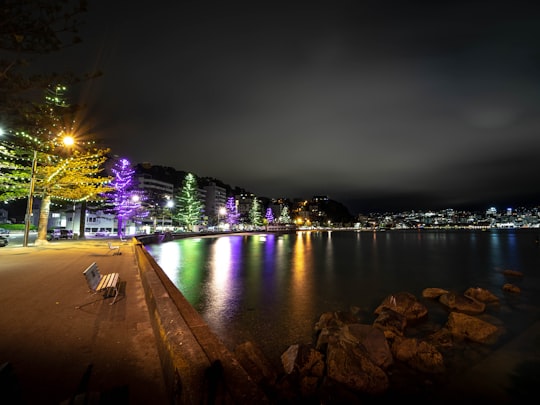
x=30, y=200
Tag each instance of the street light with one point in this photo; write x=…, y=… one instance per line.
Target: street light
x=221, y=213
x=168, y=205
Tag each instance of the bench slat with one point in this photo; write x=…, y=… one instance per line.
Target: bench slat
x=108, y=281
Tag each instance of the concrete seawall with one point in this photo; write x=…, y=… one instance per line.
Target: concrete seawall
x=197, y=367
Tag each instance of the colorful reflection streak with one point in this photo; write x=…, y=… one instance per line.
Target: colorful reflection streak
x=184, y=263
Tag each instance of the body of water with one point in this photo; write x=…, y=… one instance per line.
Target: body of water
x=272, y=288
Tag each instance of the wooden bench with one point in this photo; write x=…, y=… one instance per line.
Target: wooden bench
x=97, y=282
x=114, y=248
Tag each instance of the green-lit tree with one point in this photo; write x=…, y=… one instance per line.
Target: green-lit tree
x=52, y=172
x=189, y=207
x=15, y=168
x=284, y=217
x=31, y=30
x=255, y=215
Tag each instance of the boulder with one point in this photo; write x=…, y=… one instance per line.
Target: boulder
x=471, y=328
x=350, y=365
x=391, y=323
x=433, y=292
x=255, y=363
x=418, y=354
x=303, y=360
x=336, y=319
x=481, y=294
x=511, y=288
x=462, y=303
x=512, y=273
x=373, y=340
x=406, y=304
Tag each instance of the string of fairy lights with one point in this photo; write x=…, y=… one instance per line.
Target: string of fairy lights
x=16, y=160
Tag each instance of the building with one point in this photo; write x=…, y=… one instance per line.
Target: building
x=159, y=201
x=214, y=201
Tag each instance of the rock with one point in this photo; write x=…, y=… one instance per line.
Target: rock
x=418, y=354
x=255, y=363
x=304, y=360
x=433, y=292
x=471, y=328
x=336, y=319
x=511, y=288
x=481, y=294
x=370, y=338
x=350, y=365
x=390, y=322
x=327, y=335
x=373, y=340
x=512, y=273
x=462, y=303
x=406, y=304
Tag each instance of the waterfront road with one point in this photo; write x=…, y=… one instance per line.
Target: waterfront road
x=59, y=342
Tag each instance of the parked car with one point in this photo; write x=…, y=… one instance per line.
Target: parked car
x=56, y=234
x=3, y=241
x=4, y=232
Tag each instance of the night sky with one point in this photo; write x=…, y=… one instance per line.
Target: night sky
x=377, y=104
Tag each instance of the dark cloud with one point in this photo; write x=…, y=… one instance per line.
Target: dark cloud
x=392, y=103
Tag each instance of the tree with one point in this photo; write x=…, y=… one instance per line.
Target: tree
x=72, y=176
x=233, y=216
x=269, y=216
x=42, y=167
x=15, y=168
x=284, y=217
x=189, y=207
x=255, y=215
x=73, y=179
x=38, y=135
x=125, y=197
x=29, y=30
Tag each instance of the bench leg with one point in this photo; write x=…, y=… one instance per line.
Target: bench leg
x=115, y=295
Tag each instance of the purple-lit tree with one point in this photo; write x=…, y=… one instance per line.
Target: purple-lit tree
x=126, y=198
x=269, y=216
x=233, y=216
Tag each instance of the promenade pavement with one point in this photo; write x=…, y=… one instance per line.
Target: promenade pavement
x=59, y=342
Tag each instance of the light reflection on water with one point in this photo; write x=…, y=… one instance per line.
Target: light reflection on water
x=272, y=288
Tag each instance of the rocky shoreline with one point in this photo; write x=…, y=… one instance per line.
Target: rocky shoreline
x=396, y=351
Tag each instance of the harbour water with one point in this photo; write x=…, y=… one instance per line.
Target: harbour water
x=272, y=288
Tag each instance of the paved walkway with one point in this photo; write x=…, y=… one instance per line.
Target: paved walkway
x=57, y=339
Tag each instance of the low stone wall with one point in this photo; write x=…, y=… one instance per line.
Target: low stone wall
x=197, y=367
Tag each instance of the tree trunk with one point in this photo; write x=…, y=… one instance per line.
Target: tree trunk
x=82, y=221
x=43, y=220
x=119, y=227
